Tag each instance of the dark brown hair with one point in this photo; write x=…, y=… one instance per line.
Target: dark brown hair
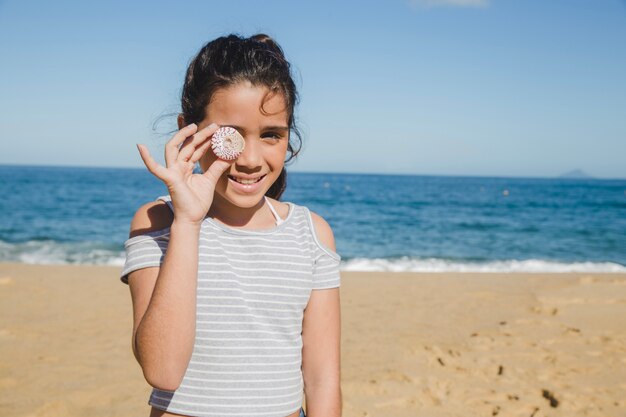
x=232, y=59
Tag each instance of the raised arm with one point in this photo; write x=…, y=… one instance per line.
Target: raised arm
x=164, y=298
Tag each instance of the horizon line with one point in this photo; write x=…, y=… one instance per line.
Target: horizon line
x=591, y=178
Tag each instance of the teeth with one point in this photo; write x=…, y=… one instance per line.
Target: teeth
x=246, y=181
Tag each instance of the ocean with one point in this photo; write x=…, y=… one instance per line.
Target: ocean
x=71, y=215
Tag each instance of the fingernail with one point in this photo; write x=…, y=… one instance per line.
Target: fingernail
x=192, y=125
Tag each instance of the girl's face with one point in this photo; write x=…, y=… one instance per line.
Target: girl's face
x=264, y=127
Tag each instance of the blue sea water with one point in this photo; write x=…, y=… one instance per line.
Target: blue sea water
x=69, y=215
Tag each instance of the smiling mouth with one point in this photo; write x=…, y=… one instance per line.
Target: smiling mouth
x=246, y=181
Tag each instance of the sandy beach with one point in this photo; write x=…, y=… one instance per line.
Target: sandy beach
x=413, y=344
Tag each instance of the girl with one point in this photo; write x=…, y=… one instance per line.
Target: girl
x=235, y=293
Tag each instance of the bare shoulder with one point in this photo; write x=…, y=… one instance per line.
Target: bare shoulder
x=152, y=216
x=323, y=231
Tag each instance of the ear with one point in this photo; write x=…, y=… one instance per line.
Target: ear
x=181, y=121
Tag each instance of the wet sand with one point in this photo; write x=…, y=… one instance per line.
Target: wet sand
x=441, y=344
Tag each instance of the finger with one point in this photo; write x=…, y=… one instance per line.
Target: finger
x=201, y=150
x=217, y=168
x=188, y=147
x=171, y=147
x=156, y=169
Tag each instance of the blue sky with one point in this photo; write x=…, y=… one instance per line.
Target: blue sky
x=442, y=87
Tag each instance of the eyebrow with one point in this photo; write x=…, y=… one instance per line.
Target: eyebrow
x=264, y=128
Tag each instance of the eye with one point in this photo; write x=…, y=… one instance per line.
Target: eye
x=272, y=136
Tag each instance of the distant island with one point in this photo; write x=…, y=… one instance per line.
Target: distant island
x=576, y=174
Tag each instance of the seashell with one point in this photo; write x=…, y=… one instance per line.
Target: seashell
x=227, y=143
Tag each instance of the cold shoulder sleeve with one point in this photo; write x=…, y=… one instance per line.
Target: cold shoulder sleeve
x=326, y=269
x=143, y=251
x=325, y=261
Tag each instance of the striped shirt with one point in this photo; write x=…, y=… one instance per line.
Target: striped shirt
x=253, y=287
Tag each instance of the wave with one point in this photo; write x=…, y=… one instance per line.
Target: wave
x=98, y=253
x=54, y=252
x=407, y=264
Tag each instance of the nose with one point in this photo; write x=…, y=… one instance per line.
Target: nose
x=251, y=158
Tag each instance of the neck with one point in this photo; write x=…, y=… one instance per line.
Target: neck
x=232, y=215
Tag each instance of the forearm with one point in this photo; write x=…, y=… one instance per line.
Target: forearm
x=323, y=400
x=165, y=337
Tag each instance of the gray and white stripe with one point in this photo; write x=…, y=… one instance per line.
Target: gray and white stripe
x=253, y=287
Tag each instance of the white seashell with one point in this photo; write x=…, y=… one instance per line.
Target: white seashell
x=227, y=143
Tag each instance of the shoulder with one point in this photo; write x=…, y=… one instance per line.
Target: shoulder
x=152, y=216
x=323, y=231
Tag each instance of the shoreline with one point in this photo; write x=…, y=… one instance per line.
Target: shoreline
x=413, y=344
x=426, y=266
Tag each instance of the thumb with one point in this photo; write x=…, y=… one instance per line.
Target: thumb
x=217, y=168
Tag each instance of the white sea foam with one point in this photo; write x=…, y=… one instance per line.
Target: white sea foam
x=94, y=253
x=51, y=252
x=406, y=264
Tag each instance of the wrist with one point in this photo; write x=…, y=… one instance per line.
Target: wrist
x=185, y=226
